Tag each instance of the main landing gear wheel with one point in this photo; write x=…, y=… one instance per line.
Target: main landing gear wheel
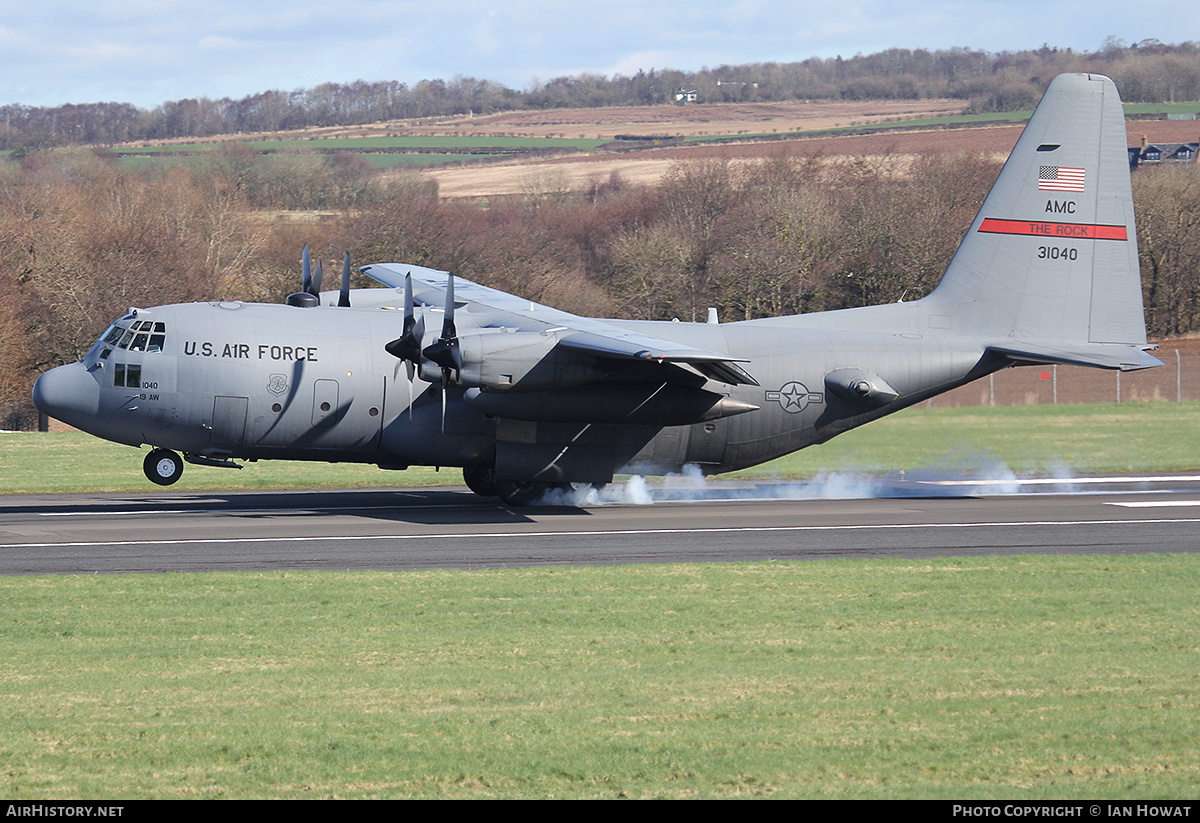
x=520, y=492
x=481, y=481
x=163, y=466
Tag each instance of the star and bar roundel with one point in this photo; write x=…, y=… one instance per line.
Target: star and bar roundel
x=794, y=397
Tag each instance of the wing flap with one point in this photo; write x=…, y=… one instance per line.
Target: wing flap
x=625, y=345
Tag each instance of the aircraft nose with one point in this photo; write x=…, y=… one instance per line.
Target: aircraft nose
x=68, y=393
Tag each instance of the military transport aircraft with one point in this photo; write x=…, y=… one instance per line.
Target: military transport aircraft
x=435, y=370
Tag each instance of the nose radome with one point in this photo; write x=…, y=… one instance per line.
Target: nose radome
x=68, y=393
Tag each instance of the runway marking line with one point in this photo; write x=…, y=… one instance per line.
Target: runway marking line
x=593, y=534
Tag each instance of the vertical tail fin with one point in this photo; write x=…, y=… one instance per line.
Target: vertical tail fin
x=1050, y=263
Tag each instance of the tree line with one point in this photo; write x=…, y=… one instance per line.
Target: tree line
x=82, y=239
x=1148, y=71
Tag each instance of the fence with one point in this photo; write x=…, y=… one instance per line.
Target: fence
x=1178, y=379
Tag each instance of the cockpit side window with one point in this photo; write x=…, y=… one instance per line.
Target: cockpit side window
x=128, y=375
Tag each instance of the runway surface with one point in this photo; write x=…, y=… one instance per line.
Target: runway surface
x=438, y=528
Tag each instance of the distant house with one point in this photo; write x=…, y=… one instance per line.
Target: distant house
x=686, y=95
x=1156, y=154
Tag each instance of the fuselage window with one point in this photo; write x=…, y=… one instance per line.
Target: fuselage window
x=127, y=375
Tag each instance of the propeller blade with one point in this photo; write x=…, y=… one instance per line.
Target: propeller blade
x=344, y=293
x=315, y=289
x=448, y=330
x=305, y=271
x=411, y=374
x=409, y=309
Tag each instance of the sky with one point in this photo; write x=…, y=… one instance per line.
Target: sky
x=147, y=52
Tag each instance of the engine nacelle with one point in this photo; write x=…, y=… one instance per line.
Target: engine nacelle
x=503, y=361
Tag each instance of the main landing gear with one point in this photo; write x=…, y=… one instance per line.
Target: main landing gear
x=483, y=482
x=513, y=492
x=163, y=466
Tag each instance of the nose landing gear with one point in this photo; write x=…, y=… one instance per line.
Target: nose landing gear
x=163, y=466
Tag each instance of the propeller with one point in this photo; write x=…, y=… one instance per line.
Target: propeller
x=407, y=346
x=310, y=282
x=307, y=297
x=446, y=351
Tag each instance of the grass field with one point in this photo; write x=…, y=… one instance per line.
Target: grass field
x=1016, y=678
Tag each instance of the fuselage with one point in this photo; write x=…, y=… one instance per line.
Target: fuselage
x=263, y=381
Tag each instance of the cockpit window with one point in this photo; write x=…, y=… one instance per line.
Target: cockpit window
x=141, y=335
x=134, y=336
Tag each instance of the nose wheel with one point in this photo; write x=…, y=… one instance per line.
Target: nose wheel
x=162, y=466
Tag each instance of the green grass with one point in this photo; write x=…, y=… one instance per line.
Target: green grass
x=1017, y=678
x=1084, y=439
x=1093, y=438
x=1162, y=108
x=915, y=123
x=73, y=462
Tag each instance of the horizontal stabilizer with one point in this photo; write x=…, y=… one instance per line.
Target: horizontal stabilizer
x=1095, y=355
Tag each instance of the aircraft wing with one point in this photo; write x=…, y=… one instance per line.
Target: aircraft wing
x=582, y=334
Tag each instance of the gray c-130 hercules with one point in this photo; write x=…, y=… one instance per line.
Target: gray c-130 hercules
x=436, y=370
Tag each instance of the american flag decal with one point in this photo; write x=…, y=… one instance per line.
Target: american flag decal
x=1060, y=178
